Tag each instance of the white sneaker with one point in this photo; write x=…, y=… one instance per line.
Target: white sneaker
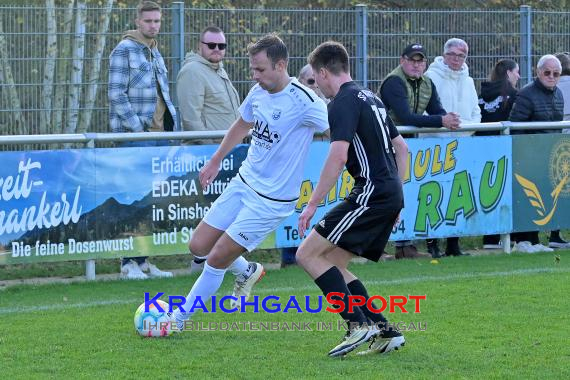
x=524, y=247
x=492, y=246
x=177, y=320
x=384, y=342
x=541, y=248
x=154, y=271
x=132, y=271
x=351, y=341
x=244, y=284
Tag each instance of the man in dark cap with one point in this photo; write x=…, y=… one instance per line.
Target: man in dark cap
x=407, y=94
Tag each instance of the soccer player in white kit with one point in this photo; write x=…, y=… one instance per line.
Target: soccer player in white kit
x=283, y=115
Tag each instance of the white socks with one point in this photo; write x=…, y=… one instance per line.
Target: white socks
x=205, y=287
x=239, y=266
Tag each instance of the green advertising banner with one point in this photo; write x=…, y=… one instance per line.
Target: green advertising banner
x=453, y=187
x=541, y=183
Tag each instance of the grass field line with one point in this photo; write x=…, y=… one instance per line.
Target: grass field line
x=406, y=280
x=449, y=277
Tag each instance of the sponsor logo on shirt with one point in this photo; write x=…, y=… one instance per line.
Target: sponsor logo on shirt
x=263, y=136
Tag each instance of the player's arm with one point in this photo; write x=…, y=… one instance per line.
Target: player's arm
x=401, y=155
x=237, y=132
x=334, y=164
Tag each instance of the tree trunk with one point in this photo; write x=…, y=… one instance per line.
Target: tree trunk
x=12, y=94
x=95, y=70
x=49, y=68
x=61, y=80
x=76, y=69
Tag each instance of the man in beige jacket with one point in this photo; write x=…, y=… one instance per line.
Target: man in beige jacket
x=207, y=99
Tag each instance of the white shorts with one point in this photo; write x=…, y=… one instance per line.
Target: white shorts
x=246, y=216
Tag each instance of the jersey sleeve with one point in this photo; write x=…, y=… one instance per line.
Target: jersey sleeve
x=317, y=116
x=392, y=128
x=344, y=114
x=246, y=109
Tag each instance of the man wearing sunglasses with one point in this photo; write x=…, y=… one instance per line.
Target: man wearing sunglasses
x=207, y=99
x=540, y=100
x=307, y=78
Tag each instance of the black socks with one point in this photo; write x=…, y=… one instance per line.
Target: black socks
x=332, y=282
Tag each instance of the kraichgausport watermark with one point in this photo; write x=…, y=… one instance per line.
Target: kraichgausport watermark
x=275, y=304
x=190, y=325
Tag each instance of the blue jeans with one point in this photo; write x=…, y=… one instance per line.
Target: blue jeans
x=288, y=255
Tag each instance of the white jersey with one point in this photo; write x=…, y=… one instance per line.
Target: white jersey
x=284, y=125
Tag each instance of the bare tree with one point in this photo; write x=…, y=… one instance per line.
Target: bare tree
x=49, y=68
x=76, y=69
x=61, y=80
x=95, y=69
x=8, y=78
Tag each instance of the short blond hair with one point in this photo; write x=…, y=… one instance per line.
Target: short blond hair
x=147, y=6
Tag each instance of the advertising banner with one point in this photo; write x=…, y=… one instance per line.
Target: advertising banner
x=541, y=183
x=103, y=203
x=453, y=187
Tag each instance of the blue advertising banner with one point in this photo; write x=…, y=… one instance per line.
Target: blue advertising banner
x=43, y=193
x=453, y=187
x=102, y=203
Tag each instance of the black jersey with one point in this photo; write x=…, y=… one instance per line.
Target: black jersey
x=357, y=116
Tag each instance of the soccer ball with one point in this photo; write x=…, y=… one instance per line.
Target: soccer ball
x=154, y=322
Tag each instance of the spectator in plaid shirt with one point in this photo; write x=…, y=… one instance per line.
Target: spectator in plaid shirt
x=139, y=100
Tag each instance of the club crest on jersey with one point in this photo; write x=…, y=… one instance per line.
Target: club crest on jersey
x=276, y=114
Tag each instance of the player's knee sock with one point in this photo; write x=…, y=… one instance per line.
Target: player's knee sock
x=239, y=266
x=332, y=281
x=205, y=287
x=357, y=288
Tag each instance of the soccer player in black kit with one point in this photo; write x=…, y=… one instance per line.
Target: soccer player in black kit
x=365, y=140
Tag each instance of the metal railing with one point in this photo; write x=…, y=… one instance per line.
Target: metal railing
x=92, y=139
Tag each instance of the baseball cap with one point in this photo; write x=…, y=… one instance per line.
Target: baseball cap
x=414, y=49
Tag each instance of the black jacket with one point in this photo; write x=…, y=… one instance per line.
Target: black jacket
x=496, y=101
x=394, y=96
x=537, y=103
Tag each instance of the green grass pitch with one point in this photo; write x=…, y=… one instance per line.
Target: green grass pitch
x=496, y=316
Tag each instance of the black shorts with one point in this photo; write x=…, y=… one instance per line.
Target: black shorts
x=361, y=230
